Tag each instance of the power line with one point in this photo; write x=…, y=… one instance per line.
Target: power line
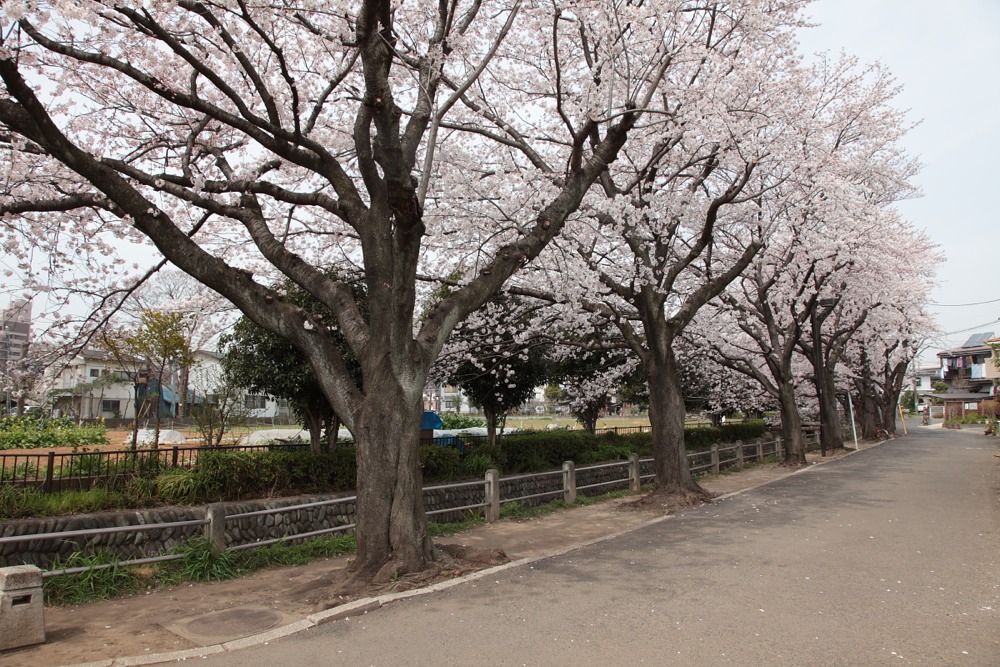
x=980, y=326
x=962, y=305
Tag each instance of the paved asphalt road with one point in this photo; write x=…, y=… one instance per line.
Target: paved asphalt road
x=890, y=556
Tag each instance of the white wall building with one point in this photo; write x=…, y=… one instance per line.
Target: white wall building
x=16, y=323
x=93, y=385
x=206, y=377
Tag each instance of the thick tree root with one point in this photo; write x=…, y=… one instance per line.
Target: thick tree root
x=669, y=500
x=451, y=560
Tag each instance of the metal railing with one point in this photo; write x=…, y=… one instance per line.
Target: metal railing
x=55, y=471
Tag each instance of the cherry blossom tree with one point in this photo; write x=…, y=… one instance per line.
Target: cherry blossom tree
x=497, y=358
x=206, y=315
x=250, y=143
x=826, y=263
x=588, y=370
x=669, y=230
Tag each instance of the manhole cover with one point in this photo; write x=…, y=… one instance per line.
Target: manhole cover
x=222, y=626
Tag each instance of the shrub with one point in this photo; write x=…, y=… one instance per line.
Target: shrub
x=477, y=463
x=438, y=462
x=180, y=486
x=696, y=439
x=640, y=443
x=32, y=433
x=90, y=585
x=201, y=563
x=702, y=437
x=345, y=467
x=87, y=465
x=605, y=451
x=453, y=420
x=235, y=475
x=745, y=431
x=139, y=491
x=523, y=453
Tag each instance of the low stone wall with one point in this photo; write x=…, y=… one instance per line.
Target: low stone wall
x=611, y=478
x=155, y=539
x=45, y=552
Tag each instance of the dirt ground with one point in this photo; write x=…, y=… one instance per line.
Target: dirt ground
x=137, y=625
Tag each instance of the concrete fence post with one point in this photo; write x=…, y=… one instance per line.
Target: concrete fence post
x=715, y=459
x=492, y=495
x=22, y=610
x=634, y=472
x=778, y=451
x=760, y=450
x=569, y=482
x=739, y=454
x=215, y=531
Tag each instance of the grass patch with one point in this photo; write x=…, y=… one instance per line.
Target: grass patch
x=200, y=563
x=604, y=497
x=516, y=510
x=24, y=502
x=90, y=585
x=286, y=555
x=447, y=529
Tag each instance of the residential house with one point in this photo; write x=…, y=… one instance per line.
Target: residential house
x=16, y=322
x=446, y=398
x=970, y=373
x=204, y=382
x=93, y=385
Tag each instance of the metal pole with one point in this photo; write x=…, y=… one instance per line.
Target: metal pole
x=818, y=375
x=854, y=429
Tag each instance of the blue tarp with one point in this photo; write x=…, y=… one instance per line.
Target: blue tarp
x=430, y=421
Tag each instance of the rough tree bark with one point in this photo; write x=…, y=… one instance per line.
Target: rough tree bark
x=666, y=417
x=791, y=425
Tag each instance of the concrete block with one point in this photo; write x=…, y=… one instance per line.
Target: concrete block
x=22, y=608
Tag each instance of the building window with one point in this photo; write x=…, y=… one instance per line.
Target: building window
x=111, y=405
x=255, y=402
x=95, y=372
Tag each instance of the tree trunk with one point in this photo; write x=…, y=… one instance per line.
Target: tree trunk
x=314, y=424
x=831, y=430
x=331, y=431
x=135, y=418
x=791, y=426
x=868, y=412
x=666, y=417
x=588, y=415
x=391, y=525
x=491, y=416
x=156, y=412
x=183, y=406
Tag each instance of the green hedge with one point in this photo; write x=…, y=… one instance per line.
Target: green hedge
x=232, y=475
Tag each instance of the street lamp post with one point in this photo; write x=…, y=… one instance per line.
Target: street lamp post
x=6, y=369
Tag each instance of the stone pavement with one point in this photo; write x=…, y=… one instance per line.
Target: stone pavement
x=199, y=619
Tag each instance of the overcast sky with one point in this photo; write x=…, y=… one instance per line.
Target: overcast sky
x=947, y=57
